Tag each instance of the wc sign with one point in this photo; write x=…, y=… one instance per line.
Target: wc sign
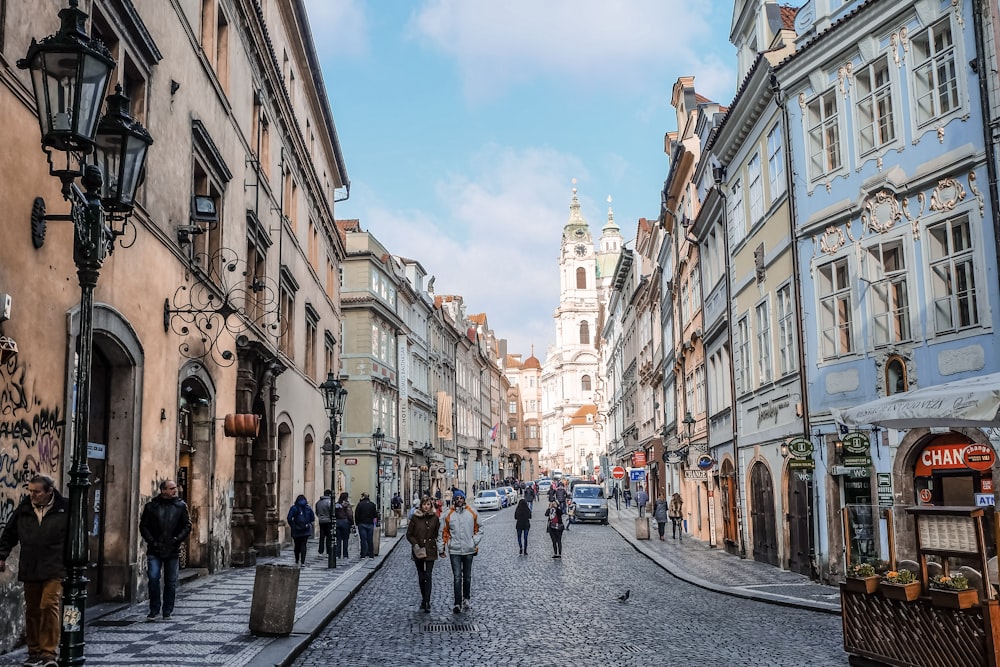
x=985, y=500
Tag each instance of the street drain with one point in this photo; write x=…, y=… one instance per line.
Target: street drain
x=110, y=624
x=631, y=648
x=451, y=627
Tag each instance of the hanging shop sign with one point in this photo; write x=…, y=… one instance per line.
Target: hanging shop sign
x=884, y=489
x=857, y=461
x=350, y=461
x=979, y=457
x=705, y=462
x=954, y=456
x=800, y=448
x=856, y=443
x=802, y=464
x=638, y=459
x=699, y=475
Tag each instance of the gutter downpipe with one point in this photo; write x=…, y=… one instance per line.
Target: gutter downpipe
x=981, y=71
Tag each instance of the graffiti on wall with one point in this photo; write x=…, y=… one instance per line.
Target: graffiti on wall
x=32, y=431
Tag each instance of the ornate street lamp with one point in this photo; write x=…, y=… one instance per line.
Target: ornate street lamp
x=334, y=400
x=378, y=437
x=69, y=75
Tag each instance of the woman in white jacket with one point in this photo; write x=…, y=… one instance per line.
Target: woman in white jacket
x=459, y=538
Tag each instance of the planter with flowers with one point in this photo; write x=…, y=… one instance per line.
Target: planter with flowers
x=952, y=592
x=900, y=585
x=861, y=578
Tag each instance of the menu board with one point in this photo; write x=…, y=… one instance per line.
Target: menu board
x=948, y=533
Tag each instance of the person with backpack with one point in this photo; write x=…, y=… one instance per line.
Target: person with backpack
x=343, y=514
x=661, y=515
x=397, y=505
x=459, y=539
x=676, y=513
x=641, y=500
x=300, y=519
x=555, y=527
x=324, y=514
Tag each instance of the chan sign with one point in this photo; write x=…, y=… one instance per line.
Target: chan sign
x=954, y=456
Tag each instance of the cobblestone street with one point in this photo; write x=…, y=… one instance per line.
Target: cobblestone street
x=535, y=610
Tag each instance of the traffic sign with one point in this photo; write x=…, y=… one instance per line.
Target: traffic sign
x=618, y=472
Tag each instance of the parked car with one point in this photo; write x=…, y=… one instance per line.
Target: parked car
x=590, y=503
x=543, y=486
x=504, y=498
x=512, y=494
x=487, y=499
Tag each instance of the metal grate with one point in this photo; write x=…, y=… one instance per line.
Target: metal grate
x=104, y=623
x=631, y=648
x=451, y=627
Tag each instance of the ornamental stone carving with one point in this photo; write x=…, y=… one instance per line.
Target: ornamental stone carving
x=832, y=240
x=948, y=193
x=881, y=212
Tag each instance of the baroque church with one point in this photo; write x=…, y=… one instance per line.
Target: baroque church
x=574, y=400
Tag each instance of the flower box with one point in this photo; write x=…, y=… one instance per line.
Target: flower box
x=954, y=599
x=866, y=585
x=902, y=592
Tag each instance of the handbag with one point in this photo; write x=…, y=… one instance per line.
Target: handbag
x=419, y=552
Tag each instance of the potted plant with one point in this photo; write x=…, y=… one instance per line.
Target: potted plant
x=900, y=585
x=952, y=592
x=861, y=578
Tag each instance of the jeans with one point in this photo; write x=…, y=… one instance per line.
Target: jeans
x=343, y=534
x=523, y=545
x=170, y=568
x=425, y=569
x=300, y=548
x=366, y=532
x=660, y=526
x=42, y=617
x=461, y=570
x=325, y=534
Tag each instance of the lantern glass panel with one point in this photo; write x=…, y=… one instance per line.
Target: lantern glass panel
x=93, y=87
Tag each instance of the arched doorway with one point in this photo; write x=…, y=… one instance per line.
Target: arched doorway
x=730, y=525
x=765, y=541
x=286, y=458
x=800, y=521
x=195, y=452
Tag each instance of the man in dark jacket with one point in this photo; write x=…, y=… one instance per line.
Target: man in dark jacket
x=324, y=514
x=39, y=524
x=364, y=518
x=164, y=525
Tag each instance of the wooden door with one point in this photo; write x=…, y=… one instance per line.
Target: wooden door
x=765, y=542
x=800, y=544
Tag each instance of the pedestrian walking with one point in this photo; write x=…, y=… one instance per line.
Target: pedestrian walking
x=529, y=496
x=300, y=519
x=459, y=539
x=641, y=500
x=39, y=525
x=164, y=524
x=324, y=516
x=617, y=493
x=660, y=515
x=676, y=513
x=422, y=533
x=561, y=496
x=555, y=527
x=365, y=515
x=397, y=505
x=343, y=514
x=627, y=496
x=522, y=523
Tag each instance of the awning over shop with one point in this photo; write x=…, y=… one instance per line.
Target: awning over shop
x=970, y=402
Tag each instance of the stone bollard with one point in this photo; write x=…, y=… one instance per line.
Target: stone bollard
x=376, y=541
x=391, y=526
x=272, y=608
x=642, y=528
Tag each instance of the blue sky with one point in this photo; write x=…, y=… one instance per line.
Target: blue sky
x=463, y=123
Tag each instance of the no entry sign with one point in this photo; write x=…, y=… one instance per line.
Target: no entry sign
x=618, y=472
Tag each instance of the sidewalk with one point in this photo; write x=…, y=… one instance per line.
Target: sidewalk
x=210, y=625
x=716, y=570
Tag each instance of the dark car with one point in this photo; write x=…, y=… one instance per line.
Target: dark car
x=589, y=503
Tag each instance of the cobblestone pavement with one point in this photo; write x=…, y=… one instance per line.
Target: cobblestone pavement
x=535, y=610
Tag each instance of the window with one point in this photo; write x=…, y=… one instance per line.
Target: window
x=873, y=90
x=312, y=320
x=775, y=163
x=312, y=248
x=581, y=278
x=834, y=309
x=222, y=50
x=822, y=121
x=287, y=336
x=291, y=204
x=786, y=330
x=699, y=388
x=585, y=383
x=756, y=187
x=762, y=323
x=737, y=222
x=256, y=273
x=512, y=407
x=934, y=74
x=584, y=333
x=329, y=355
x=513, y=433
x=953, y=275
x=743, y=355
x=889, y=293
x=533, y=432
x=375, y=341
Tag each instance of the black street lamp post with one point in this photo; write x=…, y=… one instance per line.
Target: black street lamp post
x=334, y=400
x=70, y=74
x=378, y=437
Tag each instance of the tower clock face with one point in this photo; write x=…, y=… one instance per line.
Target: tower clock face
x=581, y=250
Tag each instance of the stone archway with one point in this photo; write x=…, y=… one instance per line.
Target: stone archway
x=195, y=462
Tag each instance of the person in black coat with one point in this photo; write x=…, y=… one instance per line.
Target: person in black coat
x=364, y=517
x=555, y=527
x=522, y=523
x=39, y=525
x=300, y=519
x=164, y=525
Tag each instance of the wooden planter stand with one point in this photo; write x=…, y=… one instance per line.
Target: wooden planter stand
x=954, y=599
x=866, y=585
x=901, y=592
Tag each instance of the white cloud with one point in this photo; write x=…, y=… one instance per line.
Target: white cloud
x=339, y=27
x=498, y=243
x=593, y=43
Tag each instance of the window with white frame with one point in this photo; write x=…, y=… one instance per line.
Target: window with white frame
x=890, y=300
x=762, y=325
x=737, y=219
x=689, y=393
x=775, y=163
x=755, y=185
x=834, y=291
x=786, y=329
x=875, y=115
x=743, y=355
x=935, y=77
x=953, y=275
x=823, y=126
x=699, y=386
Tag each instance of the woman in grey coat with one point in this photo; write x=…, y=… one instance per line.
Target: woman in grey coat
x=660, y=514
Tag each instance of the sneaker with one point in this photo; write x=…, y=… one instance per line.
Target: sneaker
x=427, y=608
x=457, y=609
x=466, y=605
x=33, y=662
x=49, y=663
x=150, y=618
x=166, y=617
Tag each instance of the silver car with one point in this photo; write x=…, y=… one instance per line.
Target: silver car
x=590, y=503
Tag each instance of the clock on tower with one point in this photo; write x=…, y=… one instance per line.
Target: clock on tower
x=581, y=250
